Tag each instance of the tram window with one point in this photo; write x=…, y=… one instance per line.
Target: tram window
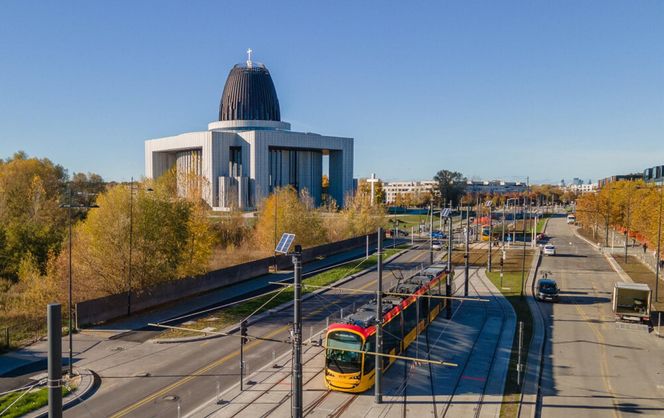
x=369, y=360
x=410, y=318
x=337, y=358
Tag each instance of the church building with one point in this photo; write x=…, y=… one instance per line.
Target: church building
x=250, y=151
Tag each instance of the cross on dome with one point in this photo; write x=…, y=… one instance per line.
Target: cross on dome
x=249, y=63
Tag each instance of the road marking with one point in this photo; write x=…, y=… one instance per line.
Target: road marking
x=210, y=366
x=603, y=361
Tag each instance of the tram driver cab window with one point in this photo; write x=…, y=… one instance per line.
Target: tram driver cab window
x=340, y=360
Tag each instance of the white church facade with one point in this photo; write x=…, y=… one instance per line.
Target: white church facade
x=249, y=151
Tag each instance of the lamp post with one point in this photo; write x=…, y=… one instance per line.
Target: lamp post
x=131, y=240
x=69, y=206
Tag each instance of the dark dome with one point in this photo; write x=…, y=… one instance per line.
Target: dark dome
x=249, y=94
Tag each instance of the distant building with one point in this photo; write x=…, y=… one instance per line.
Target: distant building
x=249, y=151
x=495, y=187
x=624, y=177
x=654, y=174
x=393, y=189
x=582, y=188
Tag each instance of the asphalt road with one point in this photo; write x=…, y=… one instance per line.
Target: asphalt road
x=591, y=367
x=148, y=380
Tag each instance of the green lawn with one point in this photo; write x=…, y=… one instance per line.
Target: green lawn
x=30, y=402
x=512, y=289
x=233, y=314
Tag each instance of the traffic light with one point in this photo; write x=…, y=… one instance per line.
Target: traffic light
x=243, y=332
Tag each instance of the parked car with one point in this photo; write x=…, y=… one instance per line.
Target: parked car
x=438, y=235
x=437, y=245
x=549, y=249
x=547, y=289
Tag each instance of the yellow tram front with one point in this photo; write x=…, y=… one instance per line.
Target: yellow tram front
x=345, y=367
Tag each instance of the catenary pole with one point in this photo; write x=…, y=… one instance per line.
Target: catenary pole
x=54, y=318
x=378, y=386
x=448, y=280
x=297, y=333
x=431, y=235
x=465, y=256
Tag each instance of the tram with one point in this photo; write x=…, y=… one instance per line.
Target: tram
x=486, y=232
x=347, y=368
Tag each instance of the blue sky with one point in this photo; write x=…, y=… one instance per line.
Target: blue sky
x=494, y=89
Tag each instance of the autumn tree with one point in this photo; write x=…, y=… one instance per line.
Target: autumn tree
x=31, y=223
x=451, y=186
x=286, y=210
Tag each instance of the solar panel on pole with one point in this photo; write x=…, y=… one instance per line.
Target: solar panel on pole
x=284, y=243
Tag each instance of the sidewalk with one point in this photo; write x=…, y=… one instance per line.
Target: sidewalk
x=33, y=358
x=476, y=338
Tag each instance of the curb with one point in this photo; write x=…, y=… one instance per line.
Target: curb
x=236, y=327
x=88, y=384
x=530, y=390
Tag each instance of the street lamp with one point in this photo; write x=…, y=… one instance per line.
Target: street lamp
x=69, y=206
x=131, y=240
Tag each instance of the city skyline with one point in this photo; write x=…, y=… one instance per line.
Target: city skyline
x=577, y=84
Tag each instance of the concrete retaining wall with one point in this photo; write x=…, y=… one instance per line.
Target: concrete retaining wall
x=115, y=306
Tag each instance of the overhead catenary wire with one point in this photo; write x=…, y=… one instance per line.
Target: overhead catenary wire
x=351, y=290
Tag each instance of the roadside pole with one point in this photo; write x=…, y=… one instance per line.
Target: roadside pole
x=490, y=236
x=243, y=341
x=367, y=252
x=378, y=398
x=297, y=333
x=54, y=360
x=519, y=366
x=523, y=260
x=465, y=256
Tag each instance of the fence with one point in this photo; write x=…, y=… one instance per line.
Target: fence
x=18, y=332
x=634, y=248
x=115, y=306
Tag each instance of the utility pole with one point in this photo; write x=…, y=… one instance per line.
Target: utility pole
x=297, y=333
x=70, y=307
x=378, y=386
x=54, y=385
x=465, y=256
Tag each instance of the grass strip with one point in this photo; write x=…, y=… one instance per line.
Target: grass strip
x=28, y=403
x=511, y=289
x=233, y=314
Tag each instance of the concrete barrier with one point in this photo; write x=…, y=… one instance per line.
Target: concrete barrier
x=115, y=306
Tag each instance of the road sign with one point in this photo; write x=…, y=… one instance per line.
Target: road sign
x=446, y=213
x=284, y=243
x=509, y=238
x=488, y=203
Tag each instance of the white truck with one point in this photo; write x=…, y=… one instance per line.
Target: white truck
x=631, y=302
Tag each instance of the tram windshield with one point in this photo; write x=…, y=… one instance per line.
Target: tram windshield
x=337, y=358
